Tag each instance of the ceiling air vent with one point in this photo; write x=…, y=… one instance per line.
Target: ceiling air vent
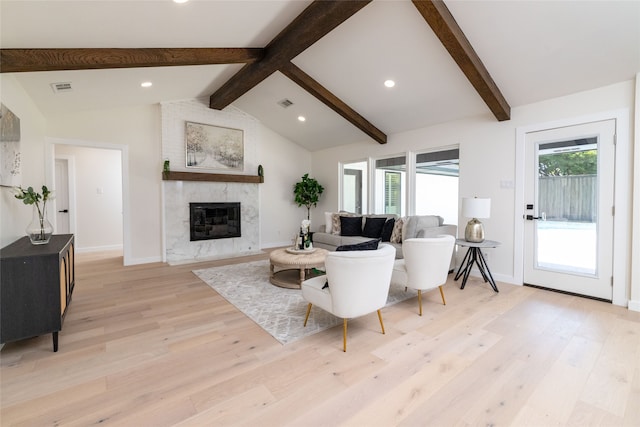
x=285, y=103
x=61, y=87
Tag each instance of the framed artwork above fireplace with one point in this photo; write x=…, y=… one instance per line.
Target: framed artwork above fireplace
x=214, y=147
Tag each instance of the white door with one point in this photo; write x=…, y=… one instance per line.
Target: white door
x=569, y=196
x=62, y=196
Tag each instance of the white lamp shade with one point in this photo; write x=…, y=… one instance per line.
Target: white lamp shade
x=473, y=207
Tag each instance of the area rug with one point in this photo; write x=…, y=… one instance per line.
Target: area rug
x=278, y=311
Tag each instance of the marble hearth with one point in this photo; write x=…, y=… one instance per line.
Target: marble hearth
x=178, y=195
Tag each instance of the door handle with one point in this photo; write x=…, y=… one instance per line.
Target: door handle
x=542, y=217
x=64, y=211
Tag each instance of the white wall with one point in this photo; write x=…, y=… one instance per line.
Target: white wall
x=15, y=215
x=487, y=158
x=635, y=257
x=284, y=164
x=138, y=129
x=98, y=185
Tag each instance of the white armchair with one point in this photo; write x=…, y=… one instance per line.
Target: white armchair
x=358, y=284
x=425, y=265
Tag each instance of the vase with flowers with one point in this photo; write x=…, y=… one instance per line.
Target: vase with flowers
x=305, y=236
x=39, y=229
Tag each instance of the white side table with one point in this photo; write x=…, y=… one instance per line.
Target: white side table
x=474, y=255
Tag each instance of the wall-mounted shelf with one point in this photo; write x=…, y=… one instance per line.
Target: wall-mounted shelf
x=211, y=177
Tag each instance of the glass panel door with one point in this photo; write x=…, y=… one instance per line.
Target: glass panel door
x=354, y=176
x=569, y=189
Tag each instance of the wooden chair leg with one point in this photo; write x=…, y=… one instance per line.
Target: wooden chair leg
x=344, y=335
x=381, y=324
x=307, y=316
x=420, y=301
x=442, y=295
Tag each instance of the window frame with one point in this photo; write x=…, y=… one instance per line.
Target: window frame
x=409, y=192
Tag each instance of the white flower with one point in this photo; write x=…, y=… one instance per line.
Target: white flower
x=305, y=224
x=16, y=191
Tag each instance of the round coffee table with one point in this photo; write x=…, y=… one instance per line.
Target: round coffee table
x=296, y=267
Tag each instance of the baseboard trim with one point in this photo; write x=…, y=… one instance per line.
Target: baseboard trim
x=503, y=278
x=634, y=305
x=138, y=261
x=90, y=249
x=276, y=245
x=215, y=258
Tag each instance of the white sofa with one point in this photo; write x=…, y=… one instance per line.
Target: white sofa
x=412, y=227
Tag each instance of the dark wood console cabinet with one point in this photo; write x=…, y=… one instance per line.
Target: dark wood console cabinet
x=36, y=282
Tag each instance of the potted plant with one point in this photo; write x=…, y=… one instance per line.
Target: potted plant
x=307, y=192
x=40, y=229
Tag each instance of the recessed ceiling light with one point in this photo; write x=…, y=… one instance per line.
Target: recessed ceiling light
x=302, y=118
x=389, y=83
x=180, y=1
x=146, y=84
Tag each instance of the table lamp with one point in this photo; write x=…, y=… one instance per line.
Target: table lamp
x=473, y=207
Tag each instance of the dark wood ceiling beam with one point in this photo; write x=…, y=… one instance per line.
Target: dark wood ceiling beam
x=317, y=20
x=26, y=60
x=441, y=21
x=329, y=99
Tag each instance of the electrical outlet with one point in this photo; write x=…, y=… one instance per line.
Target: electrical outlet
x=486, y=256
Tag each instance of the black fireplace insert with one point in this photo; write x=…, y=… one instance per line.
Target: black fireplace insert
x=214, y=220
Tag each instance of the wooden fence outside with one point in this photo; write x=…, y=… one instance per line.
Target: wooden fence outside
x=570, y=198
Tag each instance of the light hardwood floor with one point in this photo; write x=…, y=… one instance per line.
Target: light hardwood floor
x=152, y=345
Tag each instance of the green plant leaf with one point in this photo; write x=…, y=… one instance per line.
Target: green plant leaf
x=307, y=192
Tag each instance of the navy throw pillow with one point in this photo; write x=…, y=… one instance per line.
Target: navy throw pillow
x=350, y=225
x=373, y=227
x=369, y=245
x=387, y=229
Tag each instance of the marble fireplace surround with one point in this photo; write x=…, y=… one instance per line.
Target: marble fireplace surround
x=178, y=195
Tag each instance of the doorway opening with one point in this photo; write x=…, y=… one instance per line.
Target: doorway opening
x=354, y=187
x=90, y=203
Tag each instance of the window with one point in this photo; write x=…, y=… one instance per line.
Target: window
x=436, y=188
x=424, y=183
x=392, y=192
x=390, y=182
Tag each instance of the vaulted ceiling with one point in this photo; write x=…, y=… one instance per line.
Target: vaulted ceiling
x=329, y=58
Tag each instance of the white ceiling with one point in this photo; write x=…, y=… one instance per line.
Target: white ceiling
x=534, y=50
